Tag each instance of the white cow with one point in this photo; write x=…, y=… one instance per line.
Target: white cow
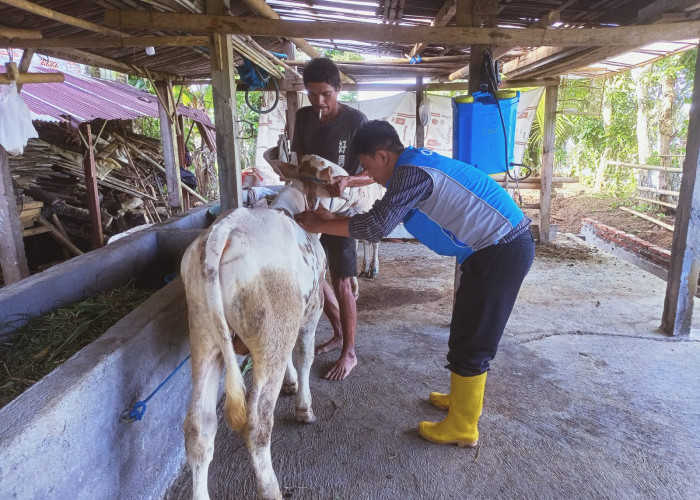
x=255, y=274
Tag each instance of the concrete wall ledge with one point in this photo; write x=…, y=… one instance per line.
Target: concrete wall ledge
x=102, y=269
x=63, y=438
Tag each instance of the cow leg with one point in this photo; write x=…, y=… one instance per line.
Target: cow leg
x=365, y=259
x=375, y=260
x=305, y=358
x=290, y=384
x=268, y=373
x=201, y=422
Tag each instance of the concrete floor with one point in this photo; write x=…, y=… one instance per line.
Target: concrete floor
x=585, y=400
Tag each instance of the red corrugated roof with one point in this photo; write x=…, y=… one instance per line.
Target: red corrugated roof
x=81, y=98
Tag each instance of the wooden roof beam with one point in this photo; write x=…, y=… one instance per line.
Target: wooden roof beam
x=583, y=37
x=79, y=42
x=61, y=18
x=444, y=16
x=90, y=59
x=7, y=32
x=261, y=8
x=549, y=61
x=545, y=21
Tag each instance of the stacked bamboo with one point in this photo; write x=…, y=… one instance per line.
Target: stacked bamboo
x=130, y=182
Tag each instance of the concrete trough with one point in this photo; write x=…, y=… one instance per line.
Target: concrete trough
x=64, y=436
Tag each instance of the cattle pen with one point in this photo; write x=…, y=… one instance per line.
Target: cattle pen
x=588, y=397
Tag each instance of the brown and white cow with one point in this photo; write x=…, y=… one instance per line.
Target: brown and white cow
x=255, y=274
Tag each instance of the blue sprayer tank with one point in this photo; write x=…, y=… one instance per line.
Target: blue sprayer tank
x=478, y=132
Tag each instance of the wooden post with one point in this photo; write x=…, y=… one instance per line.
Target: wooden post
x=182, y=157
x=92, y=192
x=550, y=122
x=292, y=96
x=12, y=257
x=420, y=128
x=24, y=65
x=168, y=134
x=685, y=250
x=224, y=94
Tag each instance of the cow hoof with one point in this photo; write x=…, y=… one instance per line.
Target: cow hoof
x=306, y=416
x=290, y=387
x=363, y=274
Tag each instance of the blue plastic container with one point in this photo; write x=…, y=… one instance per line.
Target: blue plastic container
x=478, y=132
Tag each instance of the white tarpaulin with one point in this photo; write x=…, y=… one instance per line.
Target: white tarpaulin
x=400, y=111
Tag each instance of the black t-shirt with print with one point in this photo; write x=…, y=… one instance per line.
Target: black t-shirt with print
x=331, y=140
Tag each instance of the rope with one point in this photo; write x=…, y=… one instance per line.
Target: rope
x=139, y=408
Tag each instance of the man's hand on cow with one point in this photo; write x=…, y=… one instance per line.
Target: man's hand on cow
x=310, y=221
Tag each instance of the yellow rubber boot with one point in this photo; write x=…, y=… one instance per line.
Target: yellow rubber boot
x=440, y=400
x=466, y=400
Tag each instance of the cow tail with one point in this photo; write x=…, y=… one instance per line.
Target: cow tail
x=234, y=387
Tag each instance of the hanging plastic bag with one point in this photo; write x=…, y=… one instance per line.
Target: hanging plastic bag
x=15, y=120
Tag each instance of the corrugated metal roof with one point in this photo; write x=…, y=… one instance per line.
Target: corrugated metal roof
x=80, y=99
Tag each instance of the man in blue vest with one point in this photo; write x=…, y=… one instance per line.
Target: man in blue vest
x=455, y=210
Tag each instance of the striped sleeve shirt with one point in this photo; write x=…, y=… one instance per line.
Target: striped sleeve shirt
x=409, y=186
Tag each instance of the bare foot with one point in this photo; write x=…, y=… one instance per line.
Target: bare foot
x=333, y=343
x=342, y=368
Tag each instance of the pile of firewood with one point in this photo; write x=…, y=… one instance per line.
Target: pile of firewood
x=131, y=179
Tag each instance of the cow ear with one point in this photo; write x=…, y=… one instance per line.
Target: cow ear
x=285, y=170
x=326, y=175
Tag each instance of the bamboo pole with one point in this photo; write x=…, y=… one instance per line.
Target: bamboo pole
x=58, y=236
x=155, y=164
x=657, y=191
x=23, y=78
x=86, y=42
x=645, y=167
x=271, y=57
x=647, y=217
x=656, y=202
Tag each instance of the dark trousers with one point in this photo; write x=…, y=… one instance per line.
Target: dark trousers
x=490, y=283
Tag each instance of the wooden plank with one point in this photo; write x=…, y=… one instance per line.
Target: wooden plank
x=645, y=167
x=444, y=16
x=92, y=192
x=33, y=78
x=657, y=191
x=12, y=257
x=579, y=37
x=24, y=65
x=85, y=42
x=647, y=217
x=550, y=121
x=684, y=269
x=420, y=127
x=656, y=202
x=35, y=230
x=61, y=18
x=167, y=134
x=7, y=32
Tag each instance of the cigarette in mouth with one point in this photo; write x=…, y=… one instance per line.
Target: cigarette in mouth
x=320, y=111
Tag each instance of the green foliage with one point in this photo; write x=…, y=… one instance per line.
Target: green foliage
x=342, y=55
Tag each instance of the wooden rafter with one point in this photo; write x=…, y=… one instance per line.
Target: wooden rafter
x=586, y=37
x=80, y=42
x=444, y=16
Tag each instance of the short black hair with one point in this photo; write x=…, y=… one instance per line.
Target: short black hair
x=375, y=135
x=322, y=70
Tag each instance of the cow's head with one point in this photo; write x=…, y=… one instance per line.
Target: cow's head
x=311, y=179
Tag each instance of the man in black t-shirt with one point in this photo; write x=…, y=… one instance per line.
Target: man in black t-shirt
x=326, y=128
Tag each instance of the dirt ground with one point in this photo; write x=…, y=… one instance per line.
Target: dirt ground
x=585, y=400
x=575, y=202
